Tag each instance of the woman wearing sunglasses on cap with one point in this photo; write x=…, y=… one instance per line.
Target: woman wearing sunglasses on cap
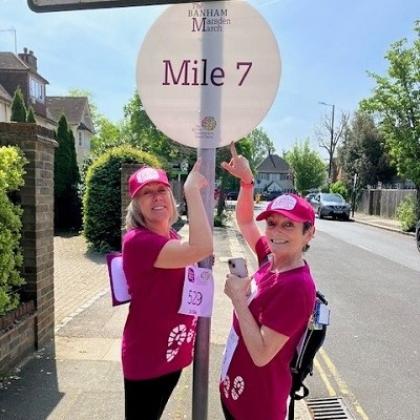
x=158, y=340
x=272, y=309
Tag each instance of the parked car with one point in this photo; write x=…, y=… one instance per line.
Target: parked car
x=418, y=235
x=331, y=205
x=310, y=196
x=270, y=195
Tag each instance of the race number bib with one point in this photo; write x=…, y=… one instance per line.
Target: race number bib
x=197, y=294
x=231, y=344
x=233, y=339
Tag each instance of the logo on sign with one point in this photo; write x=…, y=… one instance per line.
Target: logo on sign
x=209, y=123
x=208, y=19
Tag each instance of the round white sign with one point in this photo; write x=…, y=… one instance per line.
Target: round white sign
x=207, y=73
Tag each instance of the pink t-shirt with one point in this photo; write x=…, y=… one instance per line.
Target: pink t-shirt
x=284, y=302
x=157, y=340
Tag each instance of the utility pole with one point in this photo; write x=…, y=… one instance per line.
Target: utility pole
x=331, y=139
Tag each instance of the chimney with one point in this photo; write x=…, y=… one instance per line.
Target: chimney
x=29, y=59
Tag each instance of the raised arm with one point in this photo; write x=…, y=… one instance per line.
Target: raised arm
x=239, y=167
x=177, y=254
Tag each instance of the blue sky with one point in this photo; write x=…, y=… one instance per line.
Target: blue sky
x=326, y=48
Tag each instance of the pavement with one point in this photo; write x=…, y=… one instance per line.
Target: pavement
x=380, y=222
x=78, y=375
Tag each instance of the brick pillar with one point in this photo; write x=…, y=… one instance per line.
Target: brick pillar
x=37, y=201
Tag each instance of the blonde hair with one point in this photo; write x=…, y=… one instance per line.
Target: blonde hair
x=134, y=217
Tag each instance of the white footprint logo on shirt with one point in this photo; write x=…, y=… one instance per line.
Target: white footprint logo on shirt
x=176, y=338
x=238, y=387
x=226, y=386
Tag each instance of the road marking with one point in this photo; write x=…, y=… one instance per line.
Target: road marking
x=342, y=386
x=323, y=375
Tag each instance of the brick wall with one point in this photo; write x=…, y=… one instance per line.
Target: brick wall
x=37, y=200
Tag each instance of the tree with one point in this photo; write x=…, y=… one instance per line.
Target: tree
x=30, y=117
x=260, y=147
x=307, y=166
x=107, y=135
x=396, y=103
x=18, y=107
x=67, y=203
x=226, y=181
x=140, y=132
x=329, y=137
x=363, y=153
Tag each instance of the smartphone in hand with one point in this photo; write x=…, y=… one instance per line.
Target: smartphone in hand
x=237, y=266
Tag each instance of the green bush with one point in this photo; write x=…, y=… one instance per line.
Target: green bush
x=102, y=197
x=406, y=214
x=339, y=188
x=11, y=178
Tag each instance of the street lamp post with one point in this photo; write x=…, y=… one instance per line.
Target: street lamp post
x=331, y=138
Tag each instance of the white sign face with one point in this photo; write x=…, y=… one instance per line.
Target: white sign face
x=207, y=73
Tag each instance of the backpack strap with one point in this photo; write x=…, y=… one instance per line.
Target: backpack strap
x=291, y=412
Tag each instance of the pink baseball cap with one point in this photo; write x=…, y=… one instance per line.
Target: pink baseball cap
x=291, y=206
x=144, y=176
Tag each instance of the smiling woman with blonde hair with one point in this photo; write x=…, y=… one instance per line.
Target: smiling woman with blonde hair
x=158, y=340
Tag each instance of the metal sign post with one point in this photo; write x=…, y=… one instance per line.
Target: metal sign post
x=202, y=343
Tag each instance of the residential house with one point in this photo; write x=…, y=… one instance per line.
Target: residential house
x=77, y=112
x=273, y=175
x=5, y=105
x=22, y=71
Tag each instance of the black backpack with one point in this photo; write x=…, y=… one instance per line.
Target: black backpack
x=302, y=363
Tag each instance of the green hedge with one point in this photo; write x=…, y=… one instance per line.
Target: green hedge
x=11, y=178
x=102, y=196
x=406, y=214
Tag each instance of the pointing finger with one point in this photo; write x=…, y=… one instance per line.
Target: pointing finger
x=233, y=150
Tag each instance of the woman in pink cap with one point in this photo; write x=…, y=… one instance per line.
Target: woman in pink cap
x=158, y=341
x=272, y=309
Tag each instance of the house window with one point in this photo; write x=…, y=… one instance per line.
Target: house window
x=36, y=90
x=80, y=138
